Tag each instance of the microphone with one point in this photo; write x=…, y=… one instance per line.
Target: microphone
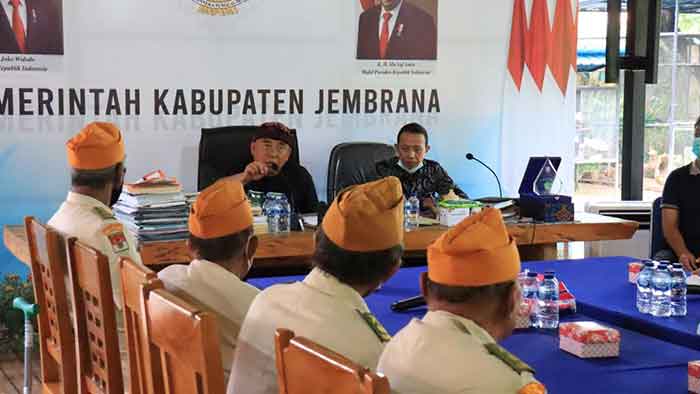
x=408, y=303
x=470, y=156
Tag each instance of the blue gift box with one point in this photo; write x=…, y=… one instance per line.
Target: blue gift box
x=551, y=208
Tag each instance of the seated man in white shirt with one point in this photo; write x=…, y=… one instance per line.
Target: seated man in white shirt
x=96, y=157
x=473, y=298
x=223, y=244
x=358, y=247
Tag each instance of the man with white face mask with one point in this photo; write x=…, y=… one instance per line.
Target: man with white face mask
x=420, y=177
x=223, y=244
x=681, y=211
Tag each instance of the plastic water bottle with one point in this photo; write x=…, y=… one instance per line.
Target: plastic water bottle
x=285, y=218
x=548, y=302
x=411, y=213
x=277, y=210
x=679, y=291
x=530, y=287
x=271, y=211
x=644, y=287
x=661, y=291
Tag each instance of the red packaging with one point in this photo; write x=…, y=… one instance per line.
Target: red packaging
x=589, y=339
x=694, y=377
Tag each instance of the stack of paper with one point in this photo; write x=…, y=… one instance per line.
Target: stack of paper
x=154, y=208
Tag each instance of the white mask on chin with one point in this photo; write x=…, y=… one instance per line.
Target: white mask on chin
x=412, y=170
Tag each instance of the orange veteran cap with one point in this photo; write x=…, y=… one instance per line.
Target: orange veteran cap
x=221, y=209
x=367, y=217
x=98, y=145
x=476, y=252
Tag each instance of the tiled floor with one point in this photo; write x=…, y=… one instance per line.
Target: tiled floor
x=12, y=375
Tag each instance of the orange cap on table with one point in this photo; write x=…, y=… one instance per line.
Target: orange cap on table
x=98, y=145
x=476, y=252
x=367, y=217
x=221, y=209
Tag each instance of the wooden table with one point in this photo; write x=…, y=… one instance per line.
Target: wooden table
x=536, y=241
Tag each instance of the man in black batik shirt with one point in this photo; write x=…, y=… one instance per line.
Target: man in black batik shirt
x=420, y=177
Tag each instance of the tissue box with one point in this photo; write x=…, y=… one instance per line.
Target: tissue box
x=589, y=339
x=633, y=270
x=694, y=377
x=452, y=212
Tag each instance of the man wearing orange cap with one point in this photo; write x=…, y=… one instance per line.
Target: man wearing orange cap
x=358, y=247
x=472, y=297
x=223, y=243
x=96, y=157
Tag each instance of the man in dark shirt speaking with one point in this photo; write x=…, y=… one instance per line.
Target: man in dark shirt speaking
x=681, y=211
x=420, y=177
x=270, y=171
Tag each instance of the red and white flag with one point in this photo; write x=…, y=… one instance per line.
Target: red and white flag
x=539, y=97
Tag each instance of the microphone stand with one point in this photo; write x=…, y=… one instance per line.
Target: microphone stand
x=489, y=200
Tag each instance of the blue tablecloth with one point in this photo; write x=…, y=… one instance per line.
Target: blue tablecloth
x=602, y=291
x=645, y=365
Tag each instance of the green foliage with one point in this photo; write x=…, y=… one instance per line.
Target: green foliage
x=689, y=23
x=12, y=320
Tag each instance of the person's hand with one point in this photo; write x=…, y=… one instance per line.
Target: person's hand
x=451, y=196
x=255, y=171
x=689, y=262
x=277, y=125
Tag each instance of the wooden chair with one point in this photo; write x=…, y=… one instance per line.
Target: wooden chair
x=56, y=340
x=99, y=362
x=133, y=278
x=184, y=345
x=305, y=367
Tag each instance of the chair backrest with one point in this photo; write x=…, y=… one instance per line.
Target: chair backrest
x=133, y=278
x=56, y=340
x=184, y=344
x=99, y=361
x=353, y=163
x=305, y=367
x=226, y=151
x=658, y=241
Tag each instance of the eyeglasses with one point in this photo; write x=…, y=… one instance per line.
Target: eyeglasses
x=280, y=148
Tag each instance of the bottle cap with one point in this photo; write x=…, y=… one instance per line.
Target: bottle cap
x=532, y=274
x=549, y=275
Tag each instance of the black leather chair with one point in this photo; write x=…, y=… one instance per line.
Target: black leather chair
x=658, y=241
x=352, y=163
x=226, y=151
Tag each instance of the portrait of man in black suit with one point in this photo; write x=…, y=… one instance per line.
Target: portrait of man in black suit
x=396, y=30
x=33, y=27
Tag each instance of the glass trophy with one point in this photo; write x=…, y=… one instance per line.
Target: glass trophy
x=545, y=180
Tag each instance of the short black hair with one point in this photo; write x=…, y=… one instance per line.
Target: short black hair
x=354, y=268
x=697, y=122
x=222, y=248
x=461, y=294
x=95, y=179
x=413, y=128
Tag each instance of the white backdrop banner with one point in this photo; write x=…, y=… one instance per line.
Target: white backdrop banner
x=164, y=69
